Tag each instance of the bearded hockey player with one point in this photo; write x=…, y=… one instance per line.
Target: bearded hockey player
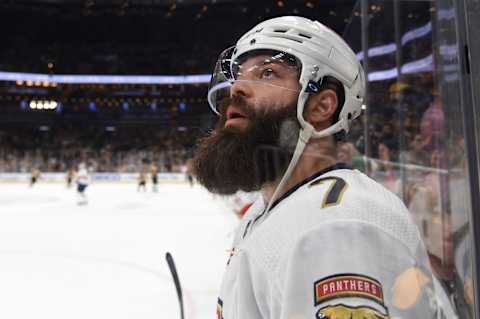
x=323, y=240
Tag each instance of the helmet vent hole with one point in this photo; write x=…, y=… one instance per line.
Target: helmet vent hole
x=280, y=30
x=253, y=41
x=305, y=35
x=349, y=116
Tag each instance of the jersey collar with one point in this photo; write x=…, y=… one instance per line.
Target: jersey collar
x=309, y=179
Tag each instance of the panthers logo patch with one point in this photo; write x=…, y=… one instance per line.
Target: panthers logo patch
x=328, y=290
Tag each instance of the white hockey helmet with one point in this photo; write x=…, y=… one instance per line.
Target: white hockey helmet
x=299, y=44
x=320, y=52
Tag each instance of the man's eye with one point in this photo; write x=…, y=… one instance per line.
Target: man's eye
x=267, y=73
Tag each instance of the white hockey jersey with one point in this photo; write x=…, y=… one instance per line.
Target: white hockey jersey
x=83, y=178
x=338, y=245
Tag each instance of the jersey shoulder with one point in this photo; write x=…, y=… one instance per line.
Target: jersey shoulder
x=349, y=194
x=339, y=196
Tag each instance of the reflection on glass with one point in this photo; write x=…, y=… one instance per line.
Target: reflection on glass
x=415, y=144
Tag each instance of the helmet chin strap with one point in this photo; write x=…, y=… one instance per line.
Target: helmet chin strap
x=306, y=133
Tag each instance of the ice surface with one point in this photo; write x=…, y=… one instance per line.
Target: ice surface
x=107, y=259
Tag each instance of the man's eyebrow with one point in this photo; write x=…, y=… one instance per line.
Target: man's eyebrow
x=272, y=61
x=265, y=62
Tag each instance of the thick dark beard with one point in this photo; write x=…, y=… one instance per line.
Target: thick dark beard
x=229, y=160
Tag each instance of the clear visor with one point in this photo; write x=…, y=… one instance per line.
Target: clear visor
x=265, y=68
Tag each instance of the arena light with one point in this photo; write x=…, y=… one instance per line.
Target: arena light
x=418, y=66
x=378, y=50
x=153, y=106
x=445, y=14
x=53, y=104
x=415, y=66
x=59, y=107
x=92, y=106
x=23, y=104
x=417, y=33
x=38, y=78
x=391, y=47
x=422, y=65
x=43, y=105
x=182, y=107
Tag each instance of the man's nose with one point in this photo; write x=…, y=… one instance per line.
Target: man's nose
x=241, y=88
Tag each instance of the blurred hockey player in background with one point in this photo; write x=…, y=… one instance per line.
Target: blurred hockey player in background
x=241, y=202
x=142, y=179
x=34, y=176
x=186, y=171
x=70, y=177
x=190, y=178
x=323, y=240
x=154, y=176
x=82, y=179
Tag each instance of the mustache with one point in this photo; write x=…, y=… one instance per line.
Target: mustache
x=239, y=103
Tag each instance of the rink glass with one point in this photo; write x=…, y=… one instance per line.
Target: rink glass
x=411, y=137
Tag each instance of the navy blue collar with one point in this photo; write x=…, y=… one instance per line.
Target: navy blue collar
x=294, y=188
x=309, y=179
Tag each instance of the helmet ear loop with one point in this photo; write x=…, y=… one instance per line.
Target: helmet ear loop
x=302, y=100
x=332, y=130
x=311, y=88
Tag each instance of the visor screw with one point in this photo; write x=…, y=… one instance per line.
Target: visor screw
x=252, y=42
x=315, y=69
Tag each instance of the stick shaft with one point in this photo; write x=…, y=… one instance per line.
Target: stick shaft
x=173, y=270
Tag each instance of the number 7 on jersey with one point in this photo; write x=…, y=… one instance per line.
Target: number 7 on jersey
x=335, y=192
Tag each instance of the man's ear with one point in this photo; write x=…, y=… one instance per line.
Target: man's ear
x=320, y=108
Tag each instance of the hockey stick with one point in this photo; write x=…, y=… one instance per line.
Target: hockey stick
x=173, y=270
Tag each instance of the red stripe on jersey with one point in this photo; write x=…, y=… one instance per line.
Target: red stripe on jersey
x=348, y=286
